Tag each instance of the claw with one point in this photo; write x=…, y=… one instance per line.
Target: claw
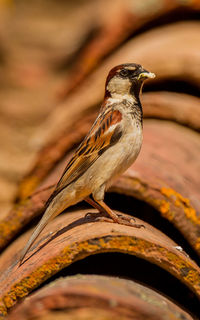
x=128, y=221
x=104, y=219
x=101, y=217
x=126, y=218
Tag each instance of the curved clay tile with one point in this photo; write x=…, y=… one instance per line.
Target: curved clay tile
x=161, y=177
x=179, y=107
x=162, y=51
x=64, y=125
x=129, y=17
x=71, y=237
x=182, y=108
x=97, y=297
x=165, y=176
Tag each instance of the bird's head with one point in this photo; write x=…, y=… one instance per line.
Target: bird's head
x=126, y=80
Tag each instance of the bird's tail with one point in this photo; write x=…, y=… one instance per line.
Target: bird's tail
x=48, y=216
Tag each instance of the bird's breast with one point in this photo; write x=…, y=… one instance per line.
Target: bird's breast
x=130, y=144
x=119, y=157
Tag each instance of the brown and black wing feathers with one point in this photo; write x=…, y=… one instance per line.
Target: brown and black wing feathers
x=105, y=132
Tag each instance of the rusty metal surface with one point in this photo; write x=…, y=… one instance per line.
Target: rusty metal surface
x=101, y=297
x=71, y=237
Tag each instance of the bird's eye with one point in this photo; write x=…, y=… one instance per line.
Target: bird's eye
x=123, y=73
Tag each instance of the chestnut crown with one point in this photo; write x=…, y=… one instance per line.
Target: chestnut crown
x=126, y=79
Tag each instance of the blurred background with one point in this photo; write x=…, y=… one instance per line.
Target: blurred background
x=54, y=57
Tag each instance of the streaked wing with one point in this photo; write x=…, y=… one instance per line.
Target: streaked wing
x=105, y=132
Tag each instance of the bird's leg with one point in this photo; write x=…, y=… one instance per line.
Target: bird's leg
x=118, y=218
x=96, y=206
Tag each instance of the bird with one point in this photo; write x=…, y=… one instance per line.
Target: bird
x=110, y=147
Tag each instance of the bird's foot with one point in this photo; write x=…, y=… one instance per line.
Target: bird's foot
x=96, y=215
x=116, y=218
x=104, y=219
x=100, y=216
x=128, y=221
x=119, y=218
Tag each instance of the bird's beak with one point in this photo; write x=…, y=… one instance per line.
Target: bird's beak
x=146, y=75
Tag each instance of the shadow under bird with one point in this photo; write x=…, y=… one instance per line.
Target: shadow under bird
x=111, y=146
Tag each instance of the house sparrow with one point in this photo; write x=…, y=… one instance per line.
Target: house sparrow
x=110, y=147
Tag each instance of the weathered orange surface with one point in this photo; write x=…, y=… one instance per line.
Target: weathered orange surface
x=72, y=237
x=118, y=298
x=161, y=177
